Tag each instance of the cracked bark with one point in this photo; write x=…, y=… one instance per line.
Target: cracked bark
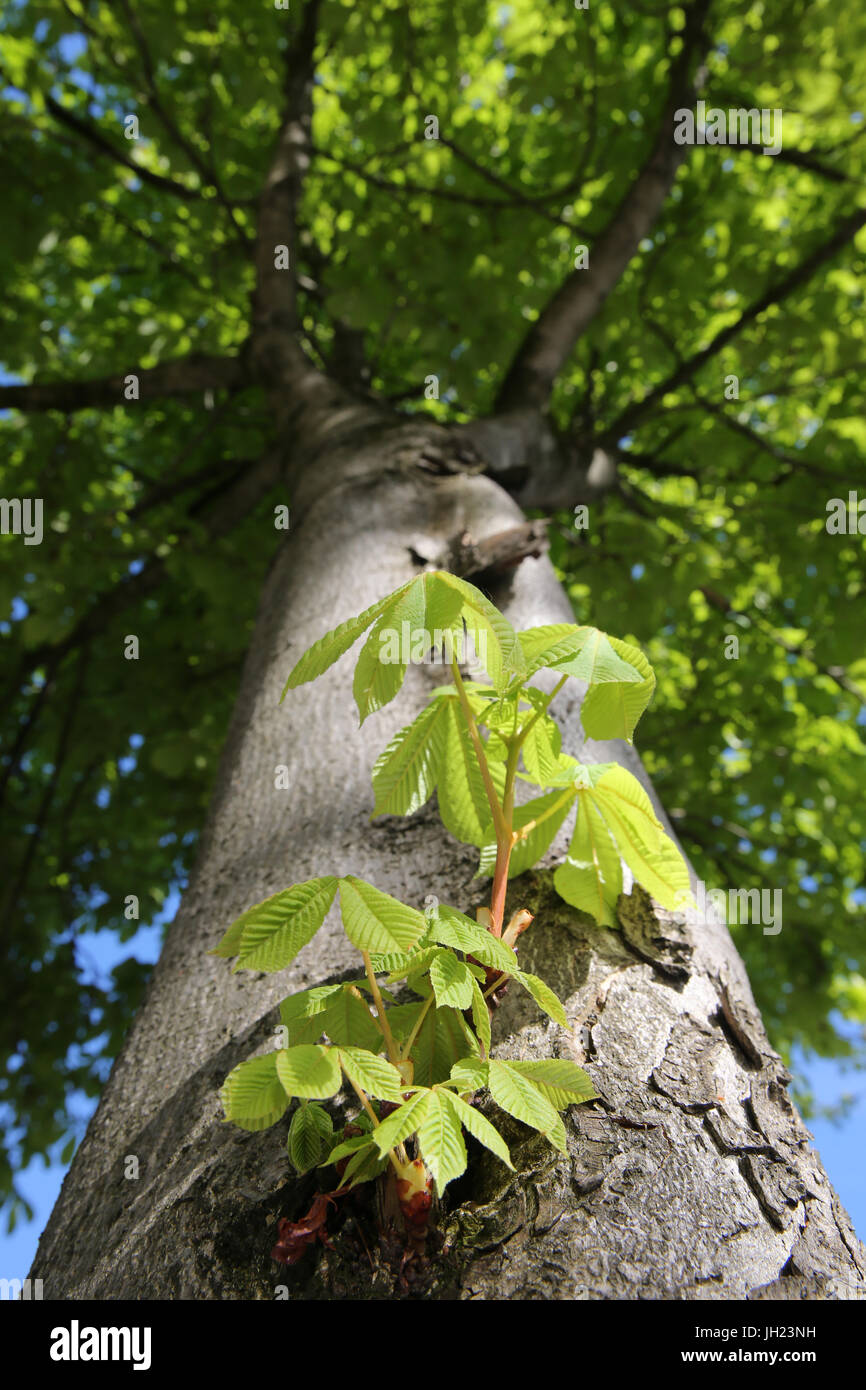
x=691, y=1178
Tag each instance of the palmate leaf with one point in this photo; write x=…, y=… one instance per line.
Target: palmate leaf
x=453, y=928
x=563, y=1083
x=479, y=1127
x=406, y=772
x=252, y=1095
x=520, y=1096
x=401, y=1123
x=496, y=641
x=309, y=1071
x=550, y=641
x=649, y=852
x=311, y=1134
x=374, y=921
x=268, y=936
x=347, y=1019
x=303, y=1014
x=591, y=877
x=613, y=710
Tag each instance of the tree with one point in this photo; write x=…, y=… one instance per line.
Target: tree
x=237, y=176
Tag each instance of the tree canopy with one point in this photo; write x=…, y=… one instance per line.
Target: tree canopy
x=456, y=160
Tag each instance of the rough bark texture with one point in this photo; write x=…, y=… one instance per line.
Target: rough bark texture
x=691, y=1178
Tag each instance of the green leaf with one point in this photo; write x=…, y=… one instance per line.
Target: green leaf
x=443, y=1038
x=591, y=877
x=554, y=640
x=612, y=711
x=347, y=1019
x=452, y=983
x=274, y=931
x=303, y=1014
x=652, y=856
x=326, y=650
x=440, y=1138
x=310, y=1071
x=373, y=1074
x=496, y=641
x=365, y=1165
x=480, y=1015
x=402, y=1122
x=347, y=1147
x=410, y=965
x=405, y=773
x=562, y=1082
x=452, y=928
x=517, y=1094
x=463, y=803
x=374, y=921
x=595, y=660
x=541, y=750
x=543, y=996
x=479, y=1127
x=310, y=1134
x=251, y=1094
x=469, y=1074
x=549, y=811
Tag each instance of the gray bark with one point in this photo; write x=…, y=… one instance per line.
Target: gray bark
x=692, y=1178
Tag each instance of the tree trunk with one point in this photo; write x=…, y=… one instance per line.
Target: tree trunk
x=691, y=1178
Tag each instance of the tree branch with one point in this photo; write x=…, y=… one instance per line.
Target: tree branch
x=846, y=229
x=197, y=372
x=567, y=315
x=93, y=136
x=278, y=207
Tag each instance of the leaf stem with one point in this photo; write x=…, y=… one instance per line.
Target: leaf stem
x=393, y=1053
x=530, y=723
x=495, y=808
x=410, y=1041
x=394, y=1157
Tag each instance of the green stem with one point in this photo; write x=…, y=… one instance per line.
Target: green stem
x=495, y=808
x=524, y=830
x=394, y=1156
x=393, y=1053
x=410, y=1041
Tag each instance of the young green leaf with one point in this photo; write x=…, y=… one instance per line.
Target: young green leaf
x=402, y=1122
x=591, y=877
x=562, y=1082
x=347, y=1019
x=373, y=1074
x=554, y=641
x=452, y=983
x=374, y=921
x=365, y=1165
x=310, y=1071
x=452, y=928
x=440, y=1138
x=405, y=774
x=652, y=856
x=324, y=652
x=595, y=661
x=251, y=1094
x=480, y=1015
x=272, y=933
x=303, y=1014
x=543, y=996
x=463, y=803
x=612, y=711
x=479, y=1127
x=496, y=641
x=469, y=1074
x=443, y=1038
x=517, y=1094
x=311, y=1133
